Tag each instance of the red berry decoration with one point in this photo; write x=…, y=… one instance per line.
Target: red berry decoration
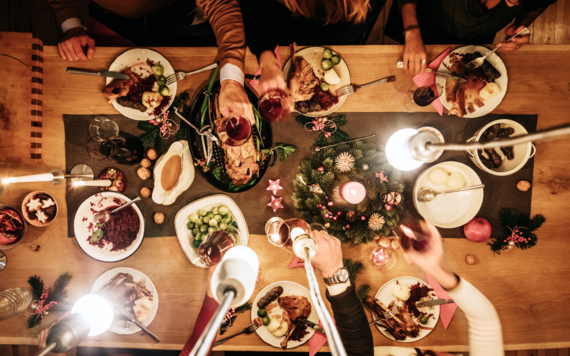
x=321, y=169
x=388, y=207
x=334, y=218
x=347, y=226
x=323, y=207
x=330, y=203
x=363, y=218
x=339, y=213
x=326, y=215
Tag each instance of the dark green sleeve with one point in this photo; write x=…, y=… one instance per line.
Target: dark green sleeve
x=352, y=323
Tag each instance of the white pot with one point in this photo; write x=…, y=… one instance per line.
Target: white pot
x=522, y=152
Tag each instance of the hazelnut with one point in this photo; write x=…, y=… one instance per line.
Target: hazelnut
x=159, y=218
x=145, y=192
x=395, y=244
x=523, y=185
x=384, y=242
x=143, y=173
x=470, y=259
x=145, y=162
x=151, y=154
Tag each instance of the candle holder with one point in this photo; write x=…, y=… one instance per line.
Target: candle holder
x=383, y=258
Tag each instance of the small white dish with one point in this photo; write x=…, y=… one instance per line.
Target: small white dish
x=185, y=237
x=384, y=295
x=84, y=216
x=118, y=324
x=454, y=209
x=314, y=56
x=289, y=288
x=502, y=81
x=134, y=56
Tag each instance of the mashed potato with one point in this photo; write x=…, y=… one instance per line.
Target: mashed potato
x=489, y=91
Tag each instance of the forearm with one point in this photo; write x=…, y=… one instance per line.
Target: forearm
x=65, y=10
x=209, y=306
x=528, y=17
x=257, y=26
x=409, y=15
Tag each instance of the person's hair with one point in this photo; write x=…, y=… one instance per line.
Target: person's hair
x=330, y=11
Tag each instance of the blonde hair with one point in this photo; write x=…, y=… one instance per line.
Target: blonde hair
x=330, y=11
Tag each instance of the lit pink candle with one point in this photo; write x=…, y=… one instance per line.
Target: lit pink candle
x=353, y=192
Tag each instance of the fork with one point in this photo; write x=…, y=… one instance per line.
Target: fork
x=351, y=88
x=250, y=329
x=127, y=325
x=478, y=62
x=391, y=313
x=181, y=75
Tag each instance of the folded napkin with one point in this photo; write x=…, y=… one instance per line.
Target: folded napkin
x=297, y=262
x=425, y=79
x=317, y=341
x=446, y=311
x=255, y=83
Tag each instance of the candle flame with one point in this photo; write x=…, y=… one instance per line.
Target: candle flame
x=80, y=183
x=353, y=192
x=8, y=180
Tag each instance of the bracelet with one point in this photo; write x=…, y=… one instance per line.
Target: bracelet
x=412, y=27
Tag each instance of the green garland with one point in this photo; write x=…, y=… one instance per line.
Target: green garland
x=310, y=204
x=519, y=228
x=354, y=268
x=336, y=136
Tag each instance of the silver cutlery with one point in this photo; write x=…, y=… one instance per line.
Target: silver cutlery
x=250, y=329
x=317, y=149
x=181, y=75
x=478, y=62
x=432, y=303
x=312, y=325
x=205, y=131
x=132, y=319
x=352, y=88
x=127, y=325
x=400, y=64
x=104, y=215
x=427, y=194
x=102, y=73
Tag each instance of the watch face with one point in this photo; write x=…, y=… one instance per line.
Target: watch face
x=343, y=275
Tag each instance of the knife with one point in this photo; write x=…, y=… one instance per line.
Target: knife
x=312, y=325
x=102, y=73
x=433, y=303
x=132, y=319
x=400, y=64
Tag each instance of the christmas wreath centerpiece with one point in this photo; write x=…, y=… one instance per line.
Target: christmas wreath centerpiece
x=318, y=200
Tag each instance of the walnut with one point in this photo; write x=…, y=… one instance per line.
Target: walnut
x=395, y=244
x=145, y=162
x=159, y=218
x=523, y=185
x=143, y=173
x=151, y=154
x=145, y=192
x=470, y=259
x=384, y=242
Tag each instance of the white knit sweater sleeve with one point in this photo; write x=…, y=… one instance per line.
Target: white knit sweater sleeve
x=485, y=334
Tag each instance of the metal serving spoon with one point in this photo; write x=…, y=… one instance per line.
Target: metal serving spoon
x=427, y=194
x=101, y=217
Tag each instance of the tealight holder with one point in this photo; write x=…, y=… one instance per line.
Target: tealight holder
x=383, y=258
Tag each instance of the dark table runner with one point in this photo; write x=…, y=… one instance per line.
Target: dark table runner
x=499, y=191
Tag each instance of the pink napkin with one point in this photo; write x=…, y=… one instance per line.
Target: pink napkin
x=317, y=341
x=424, y=79
x=446, y=310
x=297, y=262
x=254, y=83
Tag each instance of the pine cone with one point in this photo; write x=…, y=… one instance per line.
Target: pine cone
x=351, y=216
x=370, y=180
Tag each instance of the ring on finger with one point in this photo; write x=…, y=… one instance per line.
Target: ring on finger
x=423, y=61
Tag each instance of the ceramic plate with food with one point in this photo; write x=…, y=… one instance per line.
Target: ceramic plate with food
x=145, y=95
x=284, y=302
x=485, y=87
x=404, y=292
x=135, y=292
x=313, y=78
x=454, y=209
x=225, y=214
x=121, y=236
x=12, y=227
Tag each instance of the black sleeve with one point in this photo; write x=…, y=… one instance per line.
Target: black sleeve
x=257, y=23
x=352, y=323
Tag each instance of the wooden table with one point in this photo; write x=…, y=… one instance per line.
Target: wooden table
x=529, y=289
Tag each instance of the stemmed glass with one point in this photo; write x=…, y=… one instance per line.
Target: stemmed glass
x=104, y=127
x=234, y=131
x=215, y=246
x=123, y=149
x=422, y=96
x=275, y=105
x=414, y=234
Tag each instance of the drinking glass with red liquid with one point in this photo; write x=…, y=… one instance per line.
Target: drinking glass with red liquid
x=215, y=246
x=275, y=105
x=234, y=131
x=414, y=234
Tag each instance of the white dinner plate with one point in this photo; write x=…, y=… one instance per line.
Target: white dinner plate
x=185, y=237
x=289, y=288
x=118, y=324
x=314, y=56
x=502, y=81
x=84, y=217
x=454, y=209
x=133, y=56
x=384, y=295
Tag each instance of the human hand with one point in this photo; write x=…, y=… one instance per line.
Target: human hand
x=415, y=56
x=233, y=99
x=328, y=258
x=271, y=75
x=73, y=44
x=516, y=42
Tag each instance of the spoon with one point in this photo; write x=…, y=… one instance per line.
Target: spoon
x=101, y=217
x=427, y=194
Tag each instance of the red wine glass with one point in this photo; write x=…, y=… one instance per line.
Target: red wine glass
x=275, y=105
x=414, y=234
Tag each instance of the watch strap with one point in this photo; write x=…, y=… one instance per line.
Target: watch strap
x=335, y=278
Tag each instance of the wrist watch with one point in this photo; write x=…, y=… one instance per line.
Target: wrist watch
x=340, y=276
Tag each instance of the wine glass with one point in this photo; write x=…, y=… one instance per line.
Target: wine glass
x=414, y=234
x=123, y=149
x=103, y=126
x=216, y=244
x=422, y=96
x=234, y=131
x=275, y=105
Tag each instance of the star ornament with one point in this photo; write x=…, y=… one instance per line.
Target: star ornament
x=274, y=186
x=275, y=203
x=379, y=256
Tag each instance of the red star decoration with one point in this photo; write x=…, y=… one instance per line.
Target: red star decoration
x=379, y=256
x=275, y=203
x=274, y=186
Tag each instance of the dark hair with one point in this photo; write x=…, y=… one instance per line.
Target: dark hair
x=531, y=5
x=330, y=11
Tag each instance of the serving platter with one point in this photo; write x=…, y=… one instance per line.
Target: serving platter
x=218, y=157
x=133, y=56
x=384, y=295
x=289, y=288
x=117, y=326
x=502, y=81
x=185, y=237
x=314, y=56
